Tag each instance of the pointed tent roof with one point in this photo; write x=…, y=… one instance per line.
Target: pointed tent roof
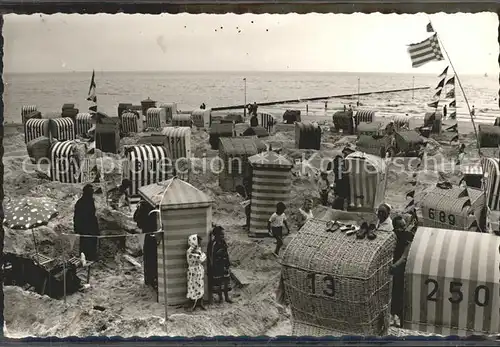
x=270, y=159
x=174, y=194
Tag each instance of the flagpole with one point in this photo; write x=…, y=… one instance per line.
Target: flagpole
x=470, y=115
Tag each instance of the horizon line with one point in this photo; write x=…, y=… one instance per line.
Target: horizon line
x=234, y=71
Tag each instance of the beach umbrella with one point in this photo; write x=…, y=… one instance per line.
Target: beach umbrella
x=28, y=213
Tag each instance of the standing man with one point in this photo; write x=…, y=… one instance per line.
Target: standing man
x=444, y=111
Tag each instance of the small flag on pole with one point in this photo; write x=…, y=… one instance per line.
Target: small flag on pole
x=430, y=29
x=426, y=51
x=453, y=115
x=454, y=138
x=438, y=94
x=441, y=84
x=451, y=81
x=92, y=97
x=433, y=104
x=451, y=94
x=410, y=194
x=453, y=104
x=443, y=74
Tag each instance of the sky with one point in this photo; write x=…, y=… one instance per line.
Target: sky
x=268, y=42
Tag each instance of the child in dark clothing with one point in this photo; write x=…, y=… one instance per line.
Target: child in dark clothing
x=275, y=226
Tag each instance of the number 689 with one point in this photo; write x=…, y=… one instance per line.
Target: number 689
x=442, y=217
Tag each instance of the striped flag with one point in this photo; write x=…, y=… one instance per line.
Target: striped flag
x=426, y=51
x=443, y=74
x=441, y=84
x=92, y=97
x=438, y=94
x=451, y=94
x=451, y=81
x=453, y=128
x=430, y=29
x=433, y=104
x=453, y=104
x=453, y=115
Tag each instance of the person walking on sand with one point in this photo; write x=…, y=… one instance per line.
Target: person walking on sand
x=305, y=212
x=275, y=226
x=218, y=265
x=404, y=238
x=86, y=224
x=473, y=111
x=254, y=121
x=323, y=188
x=196, y=272
x=444, y=111
x=345, y=108
x=461, y=154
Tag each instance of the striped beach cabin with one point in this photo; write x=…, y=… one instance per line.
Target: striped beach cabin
x=68, y=164
x=234, y=153
x=456, y=208
x=267, y=121
x=271, y=183
x=364, y=116
x=177, y=141
x=452, y=283
x=144, y=165
x=185, y=210
x=202, y=118
x=35, y=128
x=182, y=120
x=131, y=123
x=170, y=109
x=156, y=118
x=62, y=129
x=27, y=110
x=367, y=176
x=492, y=182
x=83, y=123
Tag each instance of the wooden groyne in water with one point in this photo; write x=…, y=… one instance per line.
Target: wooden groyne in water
x=221, y=108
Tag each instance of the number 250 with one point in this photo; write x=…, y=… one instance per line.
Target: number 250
x=456, y=293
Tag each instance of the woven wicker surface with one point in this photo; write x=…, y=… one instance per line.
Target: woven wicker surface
x=408, y=140
x=242, y=145
x=222, y=129
x=450, y=208
x=39, y=148
x=489, y=135
x=357, y=270
x=256, y=131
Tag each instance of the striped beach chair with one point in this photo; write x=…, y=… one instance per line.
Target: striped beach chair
x=156, y=118
x=62, y=129
x=492, y=182
x=83, y=123
x=131, y=123
x=144, y=165
x=367, y=181
x=182, y=120
x=401, y=122
x=444, y=298
x=26, y=110
x=267, y=121
x=170, y=109
x=65, y=165
x=364, y=116
x=35, y=128
x=178, y=144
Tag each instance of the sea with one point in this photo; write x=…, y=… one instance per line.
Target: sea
x=49, y=91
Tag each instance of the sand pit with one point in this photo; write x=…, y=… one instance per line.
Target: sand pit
x=117, y=285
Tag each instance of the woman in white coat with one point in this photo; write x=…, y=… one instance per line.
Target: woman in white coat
x=196, y=272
